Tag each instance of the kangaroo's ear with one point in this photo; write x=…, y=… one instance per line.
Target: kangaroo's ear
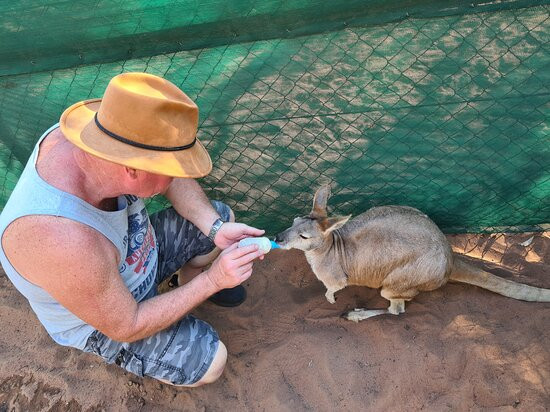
x=320, y=201
x=333, y=223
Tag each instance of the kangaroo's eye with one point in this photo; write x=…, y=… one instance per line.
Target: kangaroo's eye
x=304, y=236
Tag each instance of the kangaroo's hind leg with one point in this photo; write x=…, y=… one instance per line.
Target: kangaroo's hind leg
x=397, y=299
x=397, y=306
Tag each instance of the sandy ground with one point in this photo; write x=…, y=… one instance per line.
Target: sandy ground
x=457, y=348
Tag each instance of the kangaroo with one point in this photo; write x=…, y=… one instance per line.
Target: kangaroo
x=396, y=248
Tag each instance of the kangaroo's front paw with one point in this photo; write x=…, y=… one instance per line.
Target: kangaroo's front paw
x=330, y=296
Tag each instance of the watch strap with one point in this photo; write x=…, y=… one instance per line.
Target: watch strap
x=215, y=228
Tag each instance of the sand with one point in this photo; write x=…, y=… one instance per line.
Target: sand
x=458, y=348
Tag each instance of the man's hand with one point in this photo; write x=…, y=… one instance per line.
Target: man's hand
x=233, y=266
x=231, y=232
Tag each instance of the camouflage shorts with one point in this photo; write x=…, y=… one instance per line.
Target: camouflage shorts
x=183, y=352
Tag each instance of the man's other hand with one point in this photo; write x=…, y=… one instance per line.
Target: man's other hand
x=233, y=266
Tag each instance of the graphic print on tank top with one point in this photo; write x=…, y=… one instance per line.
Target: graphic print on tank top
x=141, y=241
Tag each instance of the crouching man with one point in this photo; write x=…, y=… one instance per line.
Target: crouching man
x=78, y=243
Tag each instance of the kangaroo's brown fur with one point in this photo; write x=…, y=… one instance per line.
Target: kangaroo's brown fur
x=396, y=248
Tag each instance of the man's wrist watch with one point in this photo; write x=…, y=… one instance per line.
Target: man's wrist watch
x=215, y=228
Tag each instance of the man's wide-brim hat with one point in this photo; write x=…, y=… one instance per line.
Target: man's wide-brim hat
x=143, y=122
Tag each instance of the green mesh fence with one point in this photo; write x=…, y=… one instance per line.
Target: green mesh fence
x=440, y=105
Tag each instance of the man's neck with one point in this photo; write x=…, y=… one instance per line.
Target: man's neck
x=68, y=168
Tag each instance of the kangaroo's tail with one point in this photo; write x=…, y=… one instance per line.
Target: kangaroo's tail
x=465, y=273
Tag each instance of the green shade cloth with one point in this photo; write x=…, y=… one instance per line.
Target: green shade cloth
x=440, y=105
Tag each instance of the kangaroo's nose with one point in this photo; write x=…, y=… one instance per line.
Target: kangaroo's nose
x=278, y=238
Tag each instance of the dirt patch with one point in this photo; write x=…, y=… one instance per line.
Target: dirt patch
x=457, y=348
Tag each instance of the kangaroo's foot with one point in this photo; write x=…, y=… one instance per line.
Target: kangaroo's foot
x=397, y=306
x=361, y=314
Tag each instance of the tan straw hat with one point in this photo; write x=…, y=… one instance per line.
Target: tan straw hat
x=143, y=122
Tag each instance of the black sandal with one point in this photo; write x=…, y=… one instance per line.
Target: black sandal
x=226, y=297
x=229, y=297
x=173, y=282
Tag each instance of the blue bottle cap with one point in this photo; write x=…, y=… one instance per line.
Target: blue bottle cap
x=274, y=245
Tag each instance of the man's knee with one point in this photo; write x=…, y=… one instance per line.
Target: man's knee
x=216, y=367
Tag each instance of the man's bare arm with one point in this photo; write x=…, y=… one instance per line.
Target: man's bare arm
x=79, y=268
x=190, y=201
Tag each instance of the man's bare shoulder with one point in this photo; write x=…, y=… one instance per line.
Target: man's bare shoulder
x=38, y=244
x=76, y=265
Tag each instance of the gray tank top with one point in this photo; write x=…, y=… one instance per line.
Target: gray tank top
x=128, y=228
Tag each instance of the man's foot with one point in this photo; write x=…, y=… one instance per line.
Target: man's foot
x=173, y=281
x=225, y=297
x=229, y=297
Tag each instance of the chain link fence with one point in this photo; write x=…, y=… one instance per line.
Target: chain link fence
x=444, y=110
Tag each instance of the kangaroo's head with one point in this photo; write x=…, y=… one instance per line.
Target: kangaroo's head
x=309, y=232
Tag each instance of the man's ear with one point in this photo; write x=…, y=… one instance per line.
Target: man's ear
x=132, y=173
x=333, y=223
